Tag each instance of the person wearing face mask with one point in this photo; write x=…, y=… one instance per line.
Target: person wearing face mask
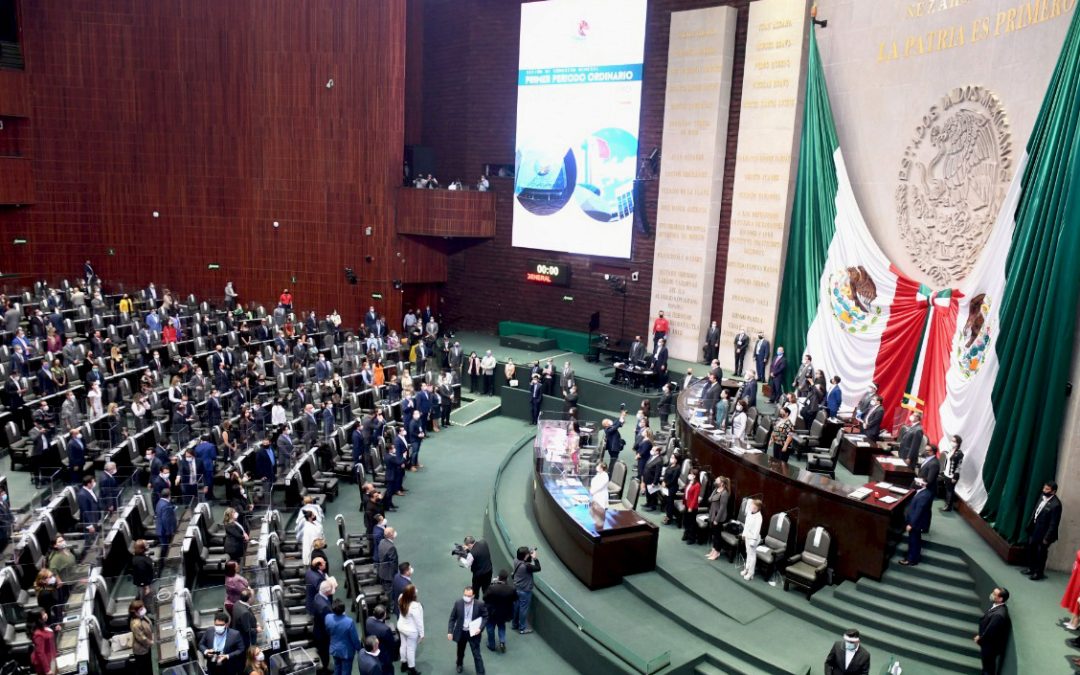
x=43, y=639
x=255, y=663
x=752, y=537
x=669, y=485
x=918, y=521
x=89, y=507
x=344, y=638
x=1042, y=531
x=952, y=472
x=222, y=647
x=60, y=559
x=410, y=627
x=654, y=469
x=738, y=421
x=690, y=499
x=7, y=520
x=468, y=619
x=777, y=371
x=142, y=569
x=718, y=514
x=165, y=523
x=142, y=636
x=47, y=587
x=848, y=657
x=994, y=627
x=389, y=645
x=598, y=487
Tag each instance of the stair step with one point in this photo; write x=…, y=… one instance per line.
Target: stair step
x=935, y=557
x=951, y=578
x=709, y=624
x=890, y=593
x=958, y=655
x=710, y=669
x=908, y=612
x=929, y=587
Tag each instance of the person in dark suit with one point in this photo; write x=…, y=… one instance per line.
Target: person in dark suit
x=670, y=481
x=395, y=462
x=76, y=455
x=637, y=351
x=388, y=560
x=651, y=478
x=376, y=626
x=930, y=468
x=109, y=488
x=660, y=360
x=223, y=647
x=415, y=433
x=952, y=472
x=402, y=579
x=874, y=417
x=536, y=397
x=369, y=662
x=777, y=372
x=762, y=350
x=213, y=409
x=993, y=636
x=1042, y=531
x=13, y=392
x=748, y=392
x=917, y=522
x=848, y=657
x=89, y=506
x=613, y=440
x=711, y=396
x=344, y=639
x=313, y=578
x=911, y=440
x=478, y=561
x=465, y=611
x=236, y=537
x=164, y=523
x=712, y=342
x=742, y=341
x=244, y=620
x=322, y=607
x=835, y=398
x=265, y=469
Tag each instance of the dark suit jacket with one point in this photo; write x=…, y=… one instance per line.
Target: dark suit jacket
x=660, y=359
x=312, y=579
x=264, y=466
x=245, y=623
x=637, y=352
x=779, y=367
x=388, y=642
x=874, y=417
x=910, y=444
x=994, y=627
x=653, y=469
x=1045, y=527
x=371, y=665
x=89, y=508
x=499, y=599
x=929, y=471
x=456, y=626
x=109, y=492
x=388, y=560
x=918, y=513
x=234, y=648
x=749, y=392
x=234, y=541
x=397, y=588
x=321, y=607
x=834, y=662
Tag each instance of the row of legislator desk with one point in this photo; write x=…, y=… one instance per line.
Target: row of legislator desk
x=859, y=517
x=600, y=546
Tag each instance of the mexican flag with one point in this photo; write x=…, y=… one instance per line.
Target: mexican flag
x=842, y=301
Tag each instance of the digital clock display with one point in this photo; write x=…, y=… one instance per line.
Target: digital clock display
x=548, y=273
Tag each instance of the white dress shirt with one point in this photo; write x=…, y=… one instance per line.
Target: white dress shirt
x=598, y=489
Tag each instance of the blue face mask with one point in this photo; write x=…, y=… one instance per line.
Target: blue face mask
x=851, y=646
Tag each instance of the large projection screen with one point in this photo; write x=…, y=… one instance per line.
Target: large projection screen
x=579, y=99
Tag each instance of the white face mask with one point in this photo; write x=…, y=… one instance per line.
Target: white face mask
x=220, y=630
x=467, y=599
x=260, y=657
x=851, y=646
x=142, y=612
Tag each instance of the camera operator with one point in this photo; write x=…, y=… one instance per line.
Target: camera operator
x=525, y=566
x=475, y=557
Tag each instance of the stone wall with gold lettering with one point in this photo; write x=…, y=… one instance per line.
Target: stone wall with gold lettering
x=917, y=84
x=700, y=55
x=764, y=170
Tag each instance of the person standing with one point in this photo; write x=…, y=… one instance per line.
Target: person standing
x=834, y=398
x=669, y=485
x=1071, y=600
x=742, y=341
x=690, y=500
x=1043, y=531
x=660, y=329
x=952, y=472
x=718, y=514
x=712, y=342
x=918, y=521
x=847, y=656
x=475, y=370
x=598, y=488
x=994, y=627
x=613, y=440
x=244, y=620
x=43, y=639
x=500, y=599
x=344, y=639
x=222, y=647
x=911, y=440
x=478, y=561
x=526, y=565
x=752, y=537
x=761, y=355
x=164, y=523
x=235, y=584
x=388, y=559
x=650, y=477
x=142, y=636
x=666, y=406
x=410, y=627
x=782, y=435
x=776, y=375
x=487, y=365
x=462, y=628
x=536, y=398
x=370, y=663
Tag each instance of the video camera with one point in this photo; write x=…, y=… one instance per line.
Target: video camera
x=459, y=551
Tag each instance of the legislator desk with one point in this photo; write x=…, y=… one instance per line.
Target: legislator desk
x=636, y=377
x=600, y=546
x=857, y=453
x=892, y=470
x=863, y=531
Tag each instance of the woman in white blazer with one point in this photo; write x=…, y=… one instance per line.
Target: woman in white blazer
x=752, y=536
x=410, y=627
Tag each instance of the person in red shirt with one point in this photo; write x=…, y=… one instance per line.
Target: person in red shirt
x=168, y=334
x=659, y=329
x=692, y=495
x=285, y=300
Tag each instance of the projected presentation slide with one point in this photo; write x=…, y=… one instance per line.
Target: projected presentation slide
x=579, y=97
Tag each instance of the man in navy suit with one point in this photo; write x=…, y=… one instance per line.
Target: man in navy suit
x=994, y=627
x=466, y=610
x=322, y=607
x=660, y=360
x=917, y=522
x=191, y=475
x=394, y=460
x=206, y=452
x=1043, y=530
x=536, y=397
x=164, y=523
x=776, y=375
x=213, y=409
x=359, y=444
x=109, y=488
x=20, y=365
x=835, y=397
x=370, y=659
x=423, y=404
x=89, y=508
x=323, y=370
x=402, y=579
x=415, y=436
x=762, y=349
x=376, y=627
x=76, y=455
x=265, y=467
x=874, y=417
x=223, y=647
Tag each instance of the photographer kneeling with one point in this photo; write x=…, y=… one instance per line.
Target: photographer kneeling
x=474, y=556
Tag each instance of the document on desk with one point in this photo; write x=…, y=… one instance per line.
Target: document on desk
x=474, y=626
x=889, y=499
x=884, y=486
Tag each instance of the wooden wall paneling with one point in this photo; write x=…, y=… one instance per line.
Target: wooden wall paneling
x=16, y=181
